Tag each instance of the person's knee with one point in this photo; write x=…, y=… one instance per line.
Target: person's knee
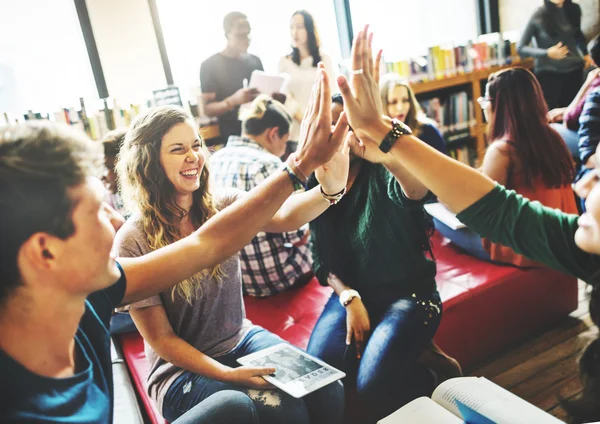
x=239, y=407
x=274, y=406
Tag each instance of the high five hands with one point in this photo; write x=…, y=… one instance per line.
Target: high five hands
x=362, y=101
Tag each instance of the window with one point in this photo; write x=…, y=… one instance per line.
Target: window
x=44, y=64
x=407, y=28
x=193, y=31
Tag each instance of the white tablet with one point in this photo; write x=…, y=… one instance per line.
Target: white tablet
x=298, y=373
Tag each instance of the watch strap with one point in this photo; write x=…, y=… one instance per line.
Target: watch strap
x=399, y=129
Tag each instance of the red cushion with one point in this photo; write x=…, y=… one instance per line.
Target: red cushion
x=292, y=314
x=132, y=345
x=487, y=307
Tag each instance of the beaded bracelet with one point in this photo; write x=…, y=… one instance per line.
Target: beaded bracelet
x=333, y=198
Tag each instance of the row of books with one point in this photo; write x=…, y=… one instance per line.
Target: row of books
x=466, y=154
x=449, y=60
x=96, y=122
x=454, y=115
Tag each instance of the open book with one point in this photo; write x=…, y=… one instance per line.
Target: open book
x=474, y=400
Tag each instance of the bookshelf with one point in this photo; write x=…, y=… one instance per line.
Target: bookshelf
x=471, y=82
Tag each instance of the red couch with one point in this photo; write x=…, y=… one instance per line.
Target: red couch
x=487, y=308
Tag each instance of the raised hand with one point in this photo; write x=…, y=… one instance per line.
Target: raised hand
x=362, y=101
x=318, y=143
x=333, y=176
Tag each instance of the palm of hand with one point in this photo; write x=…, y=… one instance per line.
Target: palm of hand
x=334, y=172
x=367, y=149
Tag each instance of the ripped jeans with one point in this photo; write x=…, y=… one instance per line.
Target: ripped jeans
x=325, y=406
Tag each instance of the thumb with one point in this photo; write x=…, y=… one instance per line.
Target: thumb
x=341, y=128
x=346, y=146
x=345, y=91
x=348, y=335
x=559, y=44
x=354, y=145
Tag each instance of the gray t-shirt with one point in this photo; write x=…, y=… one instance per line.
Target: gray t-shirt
x=214, y=323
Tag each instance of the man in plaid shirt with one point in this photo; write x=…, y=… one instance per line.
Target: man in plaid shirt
x=272, y=262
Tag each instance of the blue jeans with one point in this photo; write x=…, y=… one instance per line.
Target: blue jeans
x=463, y=238
x=324, y=406
x=571, y=139
x=388, y=374
x=226, y=407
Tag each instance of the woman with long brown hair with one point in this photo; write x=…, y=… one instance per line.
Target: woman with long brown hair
x=196, y=331
x=525, y=153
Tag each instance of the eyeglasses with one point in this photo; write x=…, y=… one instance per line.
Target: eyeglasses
x=484, y=102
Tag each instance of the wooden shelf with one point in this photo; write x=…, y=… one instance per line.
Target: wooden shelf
x=472, y=81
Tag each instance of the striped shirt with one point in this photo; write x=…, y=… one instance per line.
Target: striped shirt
x=272, y=262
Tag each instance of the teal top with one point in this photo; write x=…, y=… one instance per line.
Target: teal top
x=375, y=237
x=543, y=234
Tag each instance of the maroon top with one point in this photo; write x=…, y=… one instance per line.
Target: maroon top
x=571, y=119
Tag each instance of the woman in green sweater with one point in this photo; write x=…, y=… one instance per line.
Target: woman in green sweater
x=566, y=242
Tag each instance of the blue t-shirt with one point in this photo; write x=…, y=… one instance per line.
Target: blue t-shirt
x=432, y=136
x=85, y=397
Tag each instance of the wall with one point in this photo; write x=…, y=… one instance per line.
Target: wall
x=128, y=48
x=514, y=15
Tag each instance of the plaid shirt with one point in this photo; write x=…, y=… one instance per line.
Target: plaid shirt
x=272, y=262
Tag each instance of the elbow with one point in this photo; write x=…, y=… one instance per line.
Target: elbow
x=416, y=193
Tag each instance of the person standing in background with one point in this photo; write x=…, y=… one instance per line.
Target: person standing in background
x=222, y=76
x=559, y=50
x=301, y=66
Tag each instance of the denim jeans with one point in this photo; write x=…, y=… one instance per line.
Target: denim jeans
x=226, y=407
x=324, y=406
x=388, y=374
x=571, y=139
x=463, y=238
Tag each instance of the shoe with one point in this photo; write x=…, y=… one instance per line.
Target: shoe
x=442, y=366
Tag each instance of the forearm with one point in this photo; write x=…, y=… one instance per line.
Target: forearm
x=455, y=184
x=297, y=211
x=180, y=353
x=214, y=109
x=411, y=186
x=523, y=47
x=218, y=239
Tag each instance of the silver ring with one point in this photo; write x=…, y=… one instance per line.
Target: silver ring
x=356, y=71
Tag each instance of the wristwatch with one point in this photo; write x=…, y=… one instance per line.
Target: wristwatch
x=347, y=296
x=399, y=129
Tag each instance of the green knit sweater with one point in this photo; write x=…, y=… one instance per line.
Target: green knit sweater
x=374, y=238
x=543, y=234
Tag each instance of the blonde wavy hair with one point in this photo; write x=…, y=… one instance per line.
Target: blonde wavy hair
x=148, y=192
x=264, y=113
x=415, y=118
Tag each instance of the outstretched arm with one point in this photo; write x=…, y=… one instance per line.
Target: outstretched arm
x=230, y=230
x=362, y=104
